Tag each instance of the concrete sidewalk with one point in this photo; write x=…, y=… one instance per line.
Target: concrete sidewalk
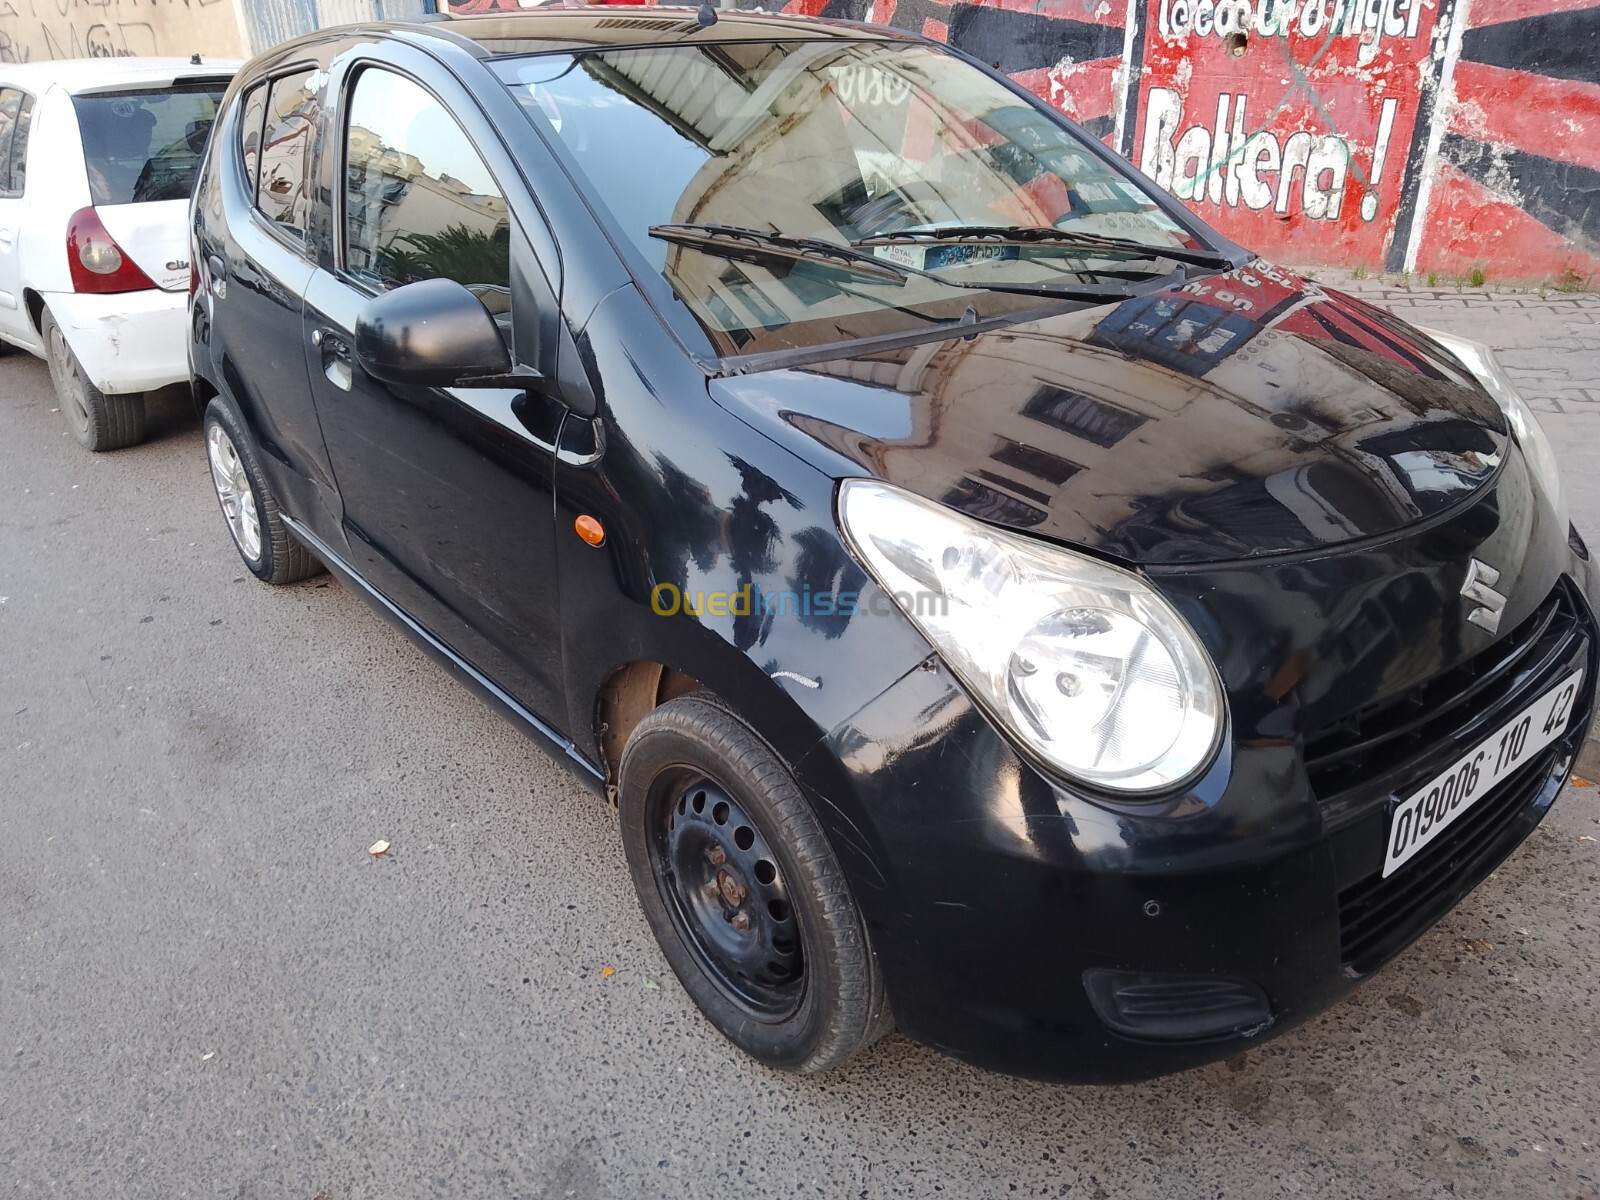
x=1551, y=347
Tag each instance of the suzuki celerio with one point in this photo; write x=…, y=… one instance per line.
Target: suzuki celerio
x=997, y=605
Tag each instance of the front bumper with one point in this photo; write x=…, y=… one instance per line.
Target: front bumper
x=993, y=893
x=128, y=342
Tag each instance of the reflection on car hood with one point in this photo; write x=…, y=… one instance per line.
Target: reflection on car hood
x=1247, y=413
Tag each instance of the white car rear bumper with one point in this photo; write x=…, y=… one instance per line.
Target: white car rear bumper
x=129, y=342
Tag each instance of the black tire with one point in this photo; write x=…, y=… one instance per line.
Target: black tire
x=273, y=554
x=696, y=781
x=99, y=422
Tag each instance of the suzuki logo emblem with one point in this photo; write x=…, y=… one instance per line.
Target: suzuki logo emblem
x=1481, y=578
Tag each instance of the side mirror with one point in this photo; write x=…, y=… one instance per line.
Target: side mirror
x=433, y=333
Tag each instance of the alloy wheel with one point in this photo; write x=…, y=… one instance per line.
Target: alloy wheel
x=68, y=378
x=237, y=497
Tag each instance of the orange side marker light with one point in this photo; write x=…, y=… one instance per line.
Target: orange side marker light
x=590, y=530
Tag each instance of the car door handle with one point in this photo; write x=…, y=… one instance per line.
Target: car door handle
x=218, y=271
x=5, y=237
x=336, y=364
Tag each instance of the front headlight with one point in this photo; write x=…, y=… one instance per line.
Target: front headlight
x=1084, y=663
x=1525, y=427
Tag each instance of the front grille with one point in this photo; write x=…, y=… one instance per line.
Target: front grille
x=1361, y=766
x=1364, y=756
x=1379, y=917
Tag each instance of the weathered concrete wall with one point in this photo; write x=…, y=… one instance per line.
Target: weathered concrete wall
x=1444, y=136
x=33, y=30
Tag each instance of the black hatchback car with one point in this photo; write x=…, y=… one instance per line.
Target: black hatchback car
x=997, y=605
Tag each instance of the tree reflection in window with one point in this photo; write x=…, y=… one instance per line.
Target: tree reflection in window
x=420, y=202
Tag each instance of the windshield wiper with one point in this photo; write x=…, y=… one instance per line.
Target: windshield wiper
x=732, y=240
x=1044, y=235
x=967, y=326
x=758, y=242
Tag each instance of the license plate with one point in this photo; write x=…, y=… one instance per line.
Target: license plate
x=1427, y=813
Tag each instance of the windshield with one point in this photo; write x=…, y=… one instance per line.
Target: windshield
x=851, y=143
x=146, y=144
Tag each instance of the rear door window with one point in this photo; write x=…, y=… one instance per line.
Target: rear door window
x=145, y=144
x=283, y=193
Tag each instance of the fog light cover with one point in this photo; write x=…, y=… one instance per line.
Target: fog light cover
x=1176, y=1008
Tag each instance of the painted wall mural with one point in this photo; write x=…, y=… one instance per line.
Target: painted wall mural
x=1435, y=136
x=1284, y=121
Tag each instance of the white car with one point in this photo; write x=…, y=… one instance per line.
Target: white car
x=97, y=160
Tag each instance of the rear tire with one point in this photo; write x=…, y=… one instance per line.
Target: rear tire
x=743, y=891
x=99, y=422
x=248, y=505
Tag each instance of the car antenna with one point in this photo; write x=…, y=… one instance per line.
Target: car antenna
x=707, y=15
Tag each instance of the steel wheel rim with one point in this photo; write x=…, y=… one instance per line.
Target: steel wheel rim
x=234, y=493
x=68, y=380
x=726, y=895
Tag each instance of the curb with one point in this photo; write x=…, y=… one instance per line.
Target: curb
x=1588, y=763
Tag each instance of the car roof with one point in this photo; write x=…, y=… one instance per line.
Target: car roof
x=105, y=74
x=599, y=26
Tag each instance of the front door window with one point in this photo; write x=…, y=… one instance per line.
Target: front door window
x=419, y=200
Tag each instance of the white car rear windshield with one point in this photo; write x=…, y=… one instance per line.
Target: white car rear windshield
x=145, y=144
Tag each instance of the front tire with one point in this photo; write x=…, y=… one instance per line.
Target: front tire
x=743, y=891
x=248, y=505
x=99, y=422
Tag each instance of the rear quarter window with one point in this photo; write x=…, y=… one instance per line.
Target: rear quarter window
x=251, y=107
x=145, y=144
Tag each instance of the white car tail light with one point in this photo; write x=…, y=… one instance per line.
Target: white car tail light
x=96, y=262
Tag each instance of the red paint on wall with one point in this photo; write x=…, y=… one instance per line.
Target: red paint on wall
x=1081, y=90
x=1298, y=127
x=1468, y=226
x=1561, y=117
x=1494, y=12
x=1297, y=145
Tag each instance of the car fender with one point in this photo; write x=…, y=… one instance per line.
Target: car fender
x=721, y=560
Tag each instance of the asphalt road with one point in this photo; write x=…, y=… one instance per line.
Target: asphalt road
x=207, y=987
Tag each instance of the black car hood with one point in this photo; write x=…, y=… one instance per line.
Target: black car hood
x=1246, y=414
